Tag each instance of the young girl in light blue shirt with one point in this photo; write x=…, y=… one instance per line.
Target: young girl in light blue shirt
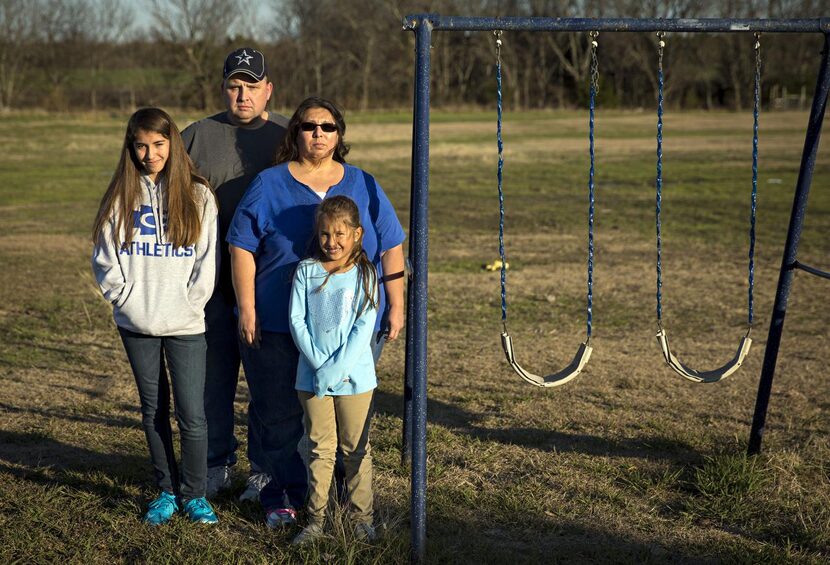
x=332, y=312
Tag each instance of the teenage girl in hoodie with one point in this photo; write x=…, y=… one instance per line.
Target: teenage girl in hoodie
x=155, y=260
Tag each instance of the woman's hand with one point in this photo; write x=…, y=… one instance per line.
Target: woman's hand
x=249, y=327
x=395, y=322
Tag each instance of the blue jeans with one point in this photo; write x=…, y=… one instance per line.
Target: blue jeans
x=220, y=387
x=185, y=356
x=271, y=372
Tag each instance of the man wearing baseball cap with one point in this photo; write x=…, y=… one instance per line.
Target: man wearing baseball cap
x=229, y=149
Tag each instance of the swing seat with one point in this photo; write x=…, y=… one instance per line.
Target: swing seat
x=556, y=379
x=712, y=376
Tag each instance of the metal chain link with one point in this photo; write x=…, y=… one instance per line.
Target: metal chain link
x=594, y=35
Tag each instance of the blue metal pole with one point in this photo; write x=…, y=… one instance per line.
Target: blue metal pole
x=788, y=262
x=406, y=429
x=419, y=234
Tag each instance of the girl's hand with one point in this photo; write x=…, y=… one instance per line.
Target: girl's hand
x=395, y=322
x=249, y=328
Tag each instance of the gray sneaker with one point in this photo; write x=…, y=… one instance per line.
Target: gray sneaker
x=218, y=478
x=309, y=534
x=256, y=482
x=364, y=531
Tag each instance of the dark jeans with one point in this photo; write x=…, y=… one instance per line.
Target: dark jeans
x=220, y=387
x=271, y=372
x=185, y=357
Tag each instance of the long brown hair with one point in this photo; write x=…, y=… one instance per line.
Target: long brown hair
x=343, y=209
x=184, y=222
x=290, y=151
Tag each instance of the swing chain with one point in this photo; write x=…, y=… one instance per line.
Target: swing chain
x=500, y=145
x=659, y=180
x=757, y=53
x=593, y=35
x=660, y=45
x=754, y=196
x=594, y=87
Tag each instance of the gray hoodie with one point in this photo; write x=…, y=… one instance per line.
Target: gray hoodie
x=154, y=288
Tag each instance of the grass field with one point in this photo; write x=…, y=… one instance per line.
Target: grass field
x=628, y=463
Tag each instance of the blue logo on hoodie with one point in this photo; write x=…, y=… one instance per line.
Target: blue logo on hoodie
x=145, y=220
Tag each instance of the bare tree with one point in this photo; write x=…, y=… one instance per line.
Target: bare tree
x=198, y=32
x=109, y=21
x=17, y=19
x=61, y=31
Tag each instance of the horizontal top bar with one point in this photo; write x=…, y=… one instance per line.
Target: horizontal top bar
x=463, y=23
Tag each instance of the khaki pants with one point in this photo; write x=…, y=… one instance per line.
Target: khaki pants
x=332, y=422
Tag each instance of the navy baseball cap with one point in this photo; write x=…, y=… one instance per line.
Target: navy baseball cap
x=247, y=61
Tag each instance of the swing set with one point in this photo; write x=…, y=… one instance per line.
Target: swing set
x=415, y=400
x=583, y=353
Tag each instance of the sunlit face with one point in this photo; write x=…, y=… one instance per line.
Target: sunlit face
x=245, y=98
x=337, y=239
x=152, y=150
x=317, y=144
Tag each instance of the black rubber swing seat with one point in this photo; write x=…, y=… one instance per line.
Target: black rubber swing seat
x=712, y=376
x=583, y=353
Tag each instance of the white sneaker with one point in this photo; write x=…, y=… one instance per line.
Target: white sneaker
x=218, y=478
x=256, y=482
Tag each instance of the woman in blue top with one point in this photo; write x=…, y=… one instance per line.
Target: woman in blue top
x=332, y=313
x=270, y=232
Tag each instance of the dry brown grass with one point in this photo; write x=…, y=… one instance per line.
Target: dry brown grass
x=628, y=463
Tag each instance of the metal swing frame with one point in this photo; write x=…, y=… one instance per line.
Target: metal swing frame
x=415, y=380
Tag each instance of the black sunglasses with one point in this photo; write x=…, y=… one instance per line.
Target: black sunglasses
x=311, y=126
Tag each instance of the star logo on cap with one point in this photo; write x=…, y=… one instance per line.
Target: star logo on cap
x=244, y=58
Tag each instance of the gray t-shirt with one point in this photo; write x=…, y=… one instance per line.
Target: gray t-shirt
x=229, y=157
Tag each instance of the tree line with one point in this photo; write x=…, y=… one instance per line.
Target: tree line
x=102, y=54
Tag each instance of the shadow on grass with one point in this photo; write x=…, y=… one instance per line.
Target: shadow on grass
x=55, y=413
x=451, y=540
x=35, y=457
x=44, y=367
x=462, y=421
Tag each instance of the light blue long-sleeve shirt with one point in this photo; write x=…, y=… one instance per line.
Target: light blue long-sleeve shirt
x=332, y=330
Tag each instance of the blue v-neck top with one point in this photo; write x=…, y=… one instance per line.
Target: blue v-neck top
x=275, y=222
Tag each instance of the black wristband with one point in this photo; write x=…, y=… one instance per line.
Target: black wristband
x=393, y=276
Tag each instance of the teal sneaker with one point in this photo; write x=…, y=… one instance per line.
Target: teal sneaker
x=161, y=509
x=200, y=512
